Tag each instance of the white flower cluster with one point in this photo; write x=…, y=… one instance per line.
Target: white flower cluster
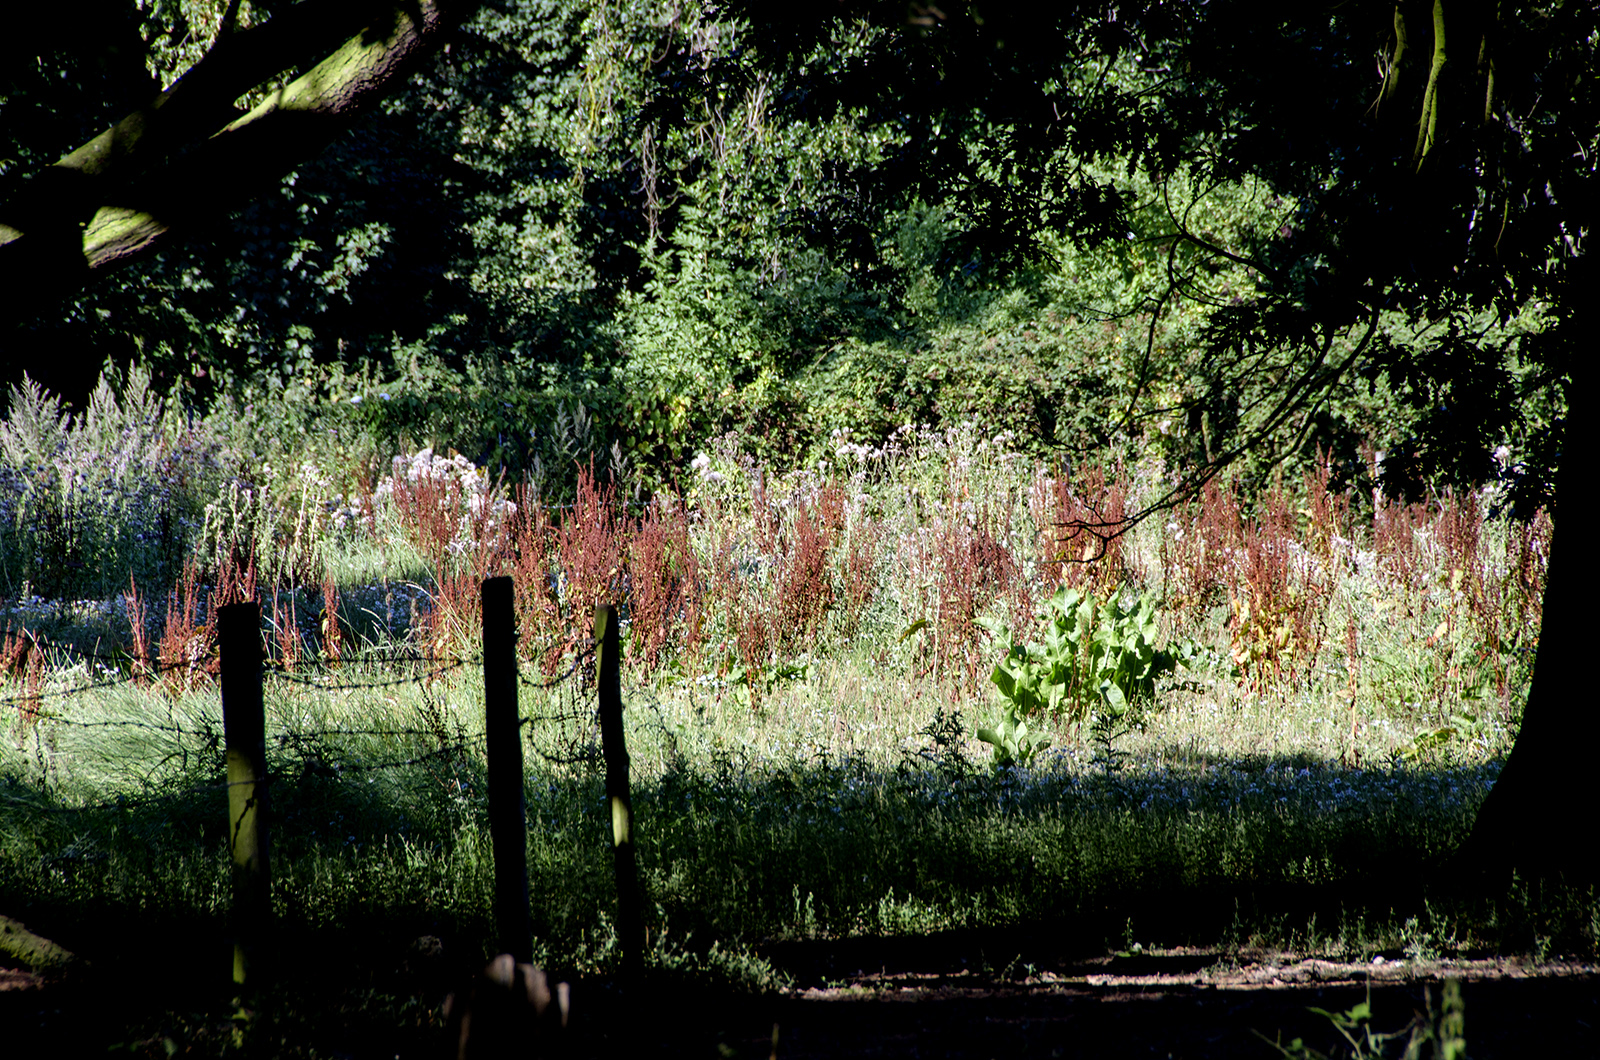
x=701, y=466
x=463, y=483
x=845, y=449
x=427, y=466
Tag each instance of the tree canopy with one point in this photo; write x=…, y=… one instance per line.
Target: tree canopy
x=550, y=188
x=1435, y=164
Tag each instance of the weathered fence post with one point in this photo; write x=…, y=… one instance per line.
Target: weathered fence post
x=502, y=734
x=607, y=668
x=244, y=730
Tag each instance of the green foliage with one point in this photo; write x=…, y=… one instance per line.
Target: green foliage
x=539, y=220
x=1010, y=738
x=695, y=351
x=1096, y=657
x=382, y=819
x=601, y=231
x=713, y=219
x=1439, y=1034
x=1446, y=742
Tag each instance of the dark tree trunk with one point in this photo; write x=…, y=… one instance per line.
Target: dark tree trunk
x=1539, y=817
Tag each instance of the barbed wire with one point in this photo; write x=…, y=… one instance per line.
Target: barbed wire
x=577, y=740
x=152, y=726
x=120, y=679
x=446, y=752
x=124, y=802
x=212, y=732
x=526, y=720
x=85, y=653
x=286, y=738
x=354, y=658
x=307, y=744
x=586, y=753
x=350, y=686
x=556, y=679
x=307, y=751
x=407, y=658
x=321, y=662
x=139, y=671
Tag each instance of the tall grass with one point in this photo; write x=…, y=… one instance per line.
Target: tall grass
x=747, y=576
x=805, y=671
x=88, y=501
x=812, y=826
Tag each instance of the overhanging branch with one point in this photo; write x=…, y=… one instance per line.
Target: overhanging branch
x=174, y=163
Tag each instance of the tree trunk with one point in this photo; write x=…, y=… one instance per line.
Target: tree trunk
x=36, y=951
x=1539, y=816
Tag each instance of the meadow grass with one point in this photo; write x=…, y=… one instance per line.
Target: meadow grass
x=822, y=816
x=804, y=679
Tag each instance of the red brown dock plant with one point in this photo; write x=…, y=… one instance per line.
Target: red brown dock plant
x=803, y=569
x=972, y=567
x=590, y=545
x=663, y=583
x=23, y=659
x=1082, y=520
x=529, y=561
x=1279, y=602
x=186, y=652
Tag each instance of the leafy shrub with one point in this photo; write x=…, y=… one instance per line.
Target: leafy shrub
x=1098, y=656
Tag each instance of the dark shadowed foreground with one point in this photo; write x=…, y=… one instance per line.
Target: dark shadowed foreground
x=1010, y=993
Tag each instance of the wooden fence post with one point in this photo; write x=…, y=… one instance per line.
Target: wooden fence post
x=607, y=666
x=502, y=735
x=244, y=730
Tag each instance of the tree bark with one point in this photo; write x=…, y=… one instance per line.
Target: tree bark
x=1539, y=816
x=181, y=161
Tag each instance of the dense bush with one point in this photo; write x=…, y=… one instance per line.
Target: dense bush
x=692, y=244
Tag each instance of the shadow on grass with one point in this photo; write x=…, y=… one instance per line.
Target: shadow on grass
x=1506, y=1017
x=866, y=887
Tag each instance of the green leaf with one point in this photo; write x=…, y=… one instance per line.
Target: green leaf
x=916, y=627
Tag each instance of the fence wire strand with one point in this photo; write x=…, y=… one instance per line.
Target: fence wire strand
x=317, y=766
x=93, y=686
x=353, y=686
x=571, y=712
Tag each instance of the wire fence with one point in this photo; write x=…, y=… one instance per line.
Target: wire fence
x=560, y=725
x=576, y=718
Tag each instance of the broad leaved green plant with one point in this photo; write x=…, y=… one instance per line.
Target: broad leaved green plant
x=1097, y=656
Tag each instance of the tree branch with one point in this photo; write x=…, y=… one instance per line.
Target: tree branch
x=1428, y=123
x=168, y=165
